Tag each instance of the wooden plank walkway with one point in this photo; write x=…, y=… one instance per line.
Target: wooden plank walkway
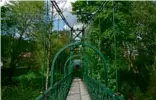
x=78, y=91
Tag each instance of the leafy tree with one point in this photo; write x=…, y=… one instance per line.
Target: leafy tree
x=26, y=31
x=135, y=35
x=17, y=22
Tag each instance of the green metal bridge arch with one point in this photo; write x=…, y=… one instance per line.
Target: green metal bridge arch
x=71, y=66
x=85, y=58
x=75, y=44
x=68, y=59
x=59, y=90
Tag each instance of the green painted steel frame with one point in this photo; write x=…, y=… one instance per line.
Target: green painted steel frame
x=65, y=64
x=69, y=58
x=59, y=91
x=98, y=91
x=75, y=44
x=71, y=63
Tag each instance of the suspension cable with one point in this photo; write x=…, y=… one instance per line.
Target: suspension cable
x=95, y=13
x=60, y=13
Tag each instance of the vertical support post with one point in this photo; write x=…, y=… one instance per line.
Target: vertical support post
x=51, y=81
x=71, y=40
x=82, y=41
x=52, y=16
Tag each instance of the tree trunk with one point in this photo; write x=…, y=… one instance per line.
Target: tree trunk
x=48, y=63
x=47, y=75
x=11, y=71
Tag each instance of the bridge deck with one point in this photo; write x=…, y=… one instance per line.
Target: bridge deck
x=78, y=91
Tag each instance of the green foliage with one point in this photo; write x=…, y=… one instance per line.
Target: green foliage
x=24, y=48
x=28, y=41
x=135, y=38
x=58, y=77
x=17, y=22
x=26, y=32
x=30, y=78
x=27, y=88
x=19, y=92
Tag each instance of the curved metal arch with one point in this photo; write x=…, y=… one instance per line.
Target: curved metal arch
x=74, y=44
x=71, y=63
x=69, y=58
x=65, y=64
x=86, y=68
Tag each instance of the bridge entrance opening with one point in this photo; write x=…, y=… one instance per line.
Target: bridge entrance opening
x=77, y=69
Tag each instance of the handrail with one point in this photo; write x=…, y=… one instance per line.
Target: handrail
x=98, y=91
x=59, y=90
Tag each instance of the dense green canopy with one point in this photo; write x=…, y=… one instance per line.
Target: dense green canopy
x=28, y=46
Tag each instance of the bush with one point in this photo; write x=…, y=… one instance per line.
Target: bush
x=27, y=88
x=19, y=92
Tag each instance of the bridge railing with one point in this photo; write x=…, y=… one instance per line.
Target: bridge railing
x=59, y=91
x=98, y=91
